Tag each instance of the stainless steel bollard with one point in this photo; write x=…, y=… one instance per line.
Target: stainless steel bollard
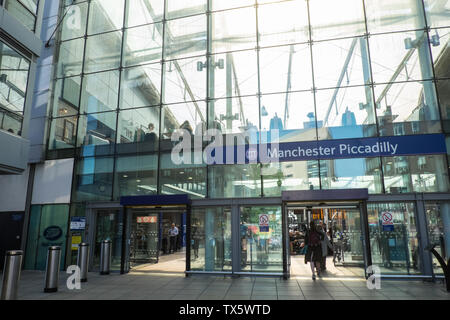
x=105, y=257
x=83, y=260
x=11, y=274
x=52, y=269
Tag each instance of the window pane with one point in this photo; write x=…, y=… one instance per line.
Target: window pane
x=439, y=39
x=261, y=248
x=286, y=68
x=438, y=220
x=426, y=173
x=103, y=52
x=235, y=115
x=351, y=174
x=136, y=175
x=74, y=25
x=227, y=4
x=93, y=179
x=185, y=37
x=181, y=8
x=291, y=113
x=100, y=92
x=438, y=13
x=400, y=57
x=70, y=58
x=19, y=11
x=140, y=12
x=333, y=19
x=283, y=23
x=140, y=86
x=188, y=116
x=235, y=181
x=63, y=133
x=387, y=15
x=97, y=133
x=143, y=45
x=407, y=108
x=182, y=178
x=345, y=113
x=341, y=63
x=105, y=17
x=66, y=96
x=443, y=88
x=235, y=74
x=284, y=176
x=183, y=81
x=211, y=255
x=395, y=249
x=138, y=130
x=228, y=35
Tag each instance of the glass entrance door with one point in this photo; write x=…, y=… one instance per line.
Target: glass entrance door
x=144, y=238
x=109, y=227
x=344, y=225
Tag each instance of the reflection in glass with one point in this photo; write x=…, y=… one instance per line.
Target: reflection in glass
x=211, y=239
x=394, y=246
x=143, y=45
x=236, y=181
x=136, y=175
x=185, y=37
x=228, y=35
x=185, y=178
x=105, y=17
x=388, y=15
x=100, y=92
x=140, y=86
x=351, y=174
x=97, y=133
x=103, y=52
x=66, y=96
x=286, y=68
x=348, y=18
x=70, y=58
x=63, y=133
x=140, y=12
x=138, y=130
x=283, y=23
x=261, y=246
x=93, y=179
x=407, y=108
x=345, y=113
x=438, y=220
x=438, y=13
x=425, y=173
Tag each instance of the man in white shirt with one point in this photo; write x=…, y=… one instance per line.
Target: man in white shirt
x=173, y=233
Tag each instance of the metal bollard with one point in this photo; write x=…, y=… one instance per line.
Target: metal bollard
x=52, y=269
x=11, y=274
x=105, y=257
x=83, y=260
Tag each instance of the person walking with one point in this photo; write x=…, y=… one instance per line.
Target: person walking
x=313, y=240
x=325, y=244
x=173, y=233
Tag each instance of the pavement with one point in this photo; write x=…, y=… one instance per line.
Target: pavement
x=166, y=281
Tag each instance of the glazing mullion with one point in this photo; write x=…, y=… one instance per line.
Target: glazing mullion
x=314, y=86
x=161, y=95
x=372, y=87
x=259, y=93
x=119, y=96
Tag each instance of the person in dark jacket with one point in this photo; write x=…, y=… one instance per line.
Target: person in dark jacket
x=313, y=240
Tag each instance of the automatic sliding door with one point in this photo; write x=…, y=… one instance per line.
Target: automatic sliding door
x=144, y=238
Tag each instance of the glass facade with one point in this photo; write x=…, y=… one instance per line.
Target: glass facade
x=14, y=71
x=128, y=76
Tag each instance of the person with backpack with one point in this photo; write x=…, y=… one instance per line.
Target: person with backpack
x=313, y=240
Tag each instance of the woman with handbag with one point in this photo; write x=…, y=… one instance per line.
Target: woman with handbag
x=313, y=240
